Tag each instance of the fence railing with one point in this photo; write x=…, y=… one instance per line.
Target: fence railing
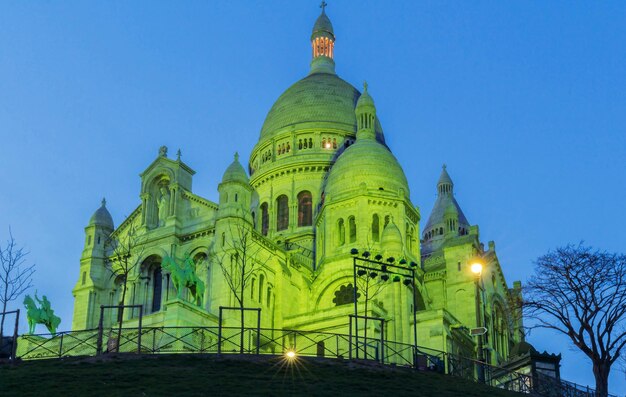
x=227, y=340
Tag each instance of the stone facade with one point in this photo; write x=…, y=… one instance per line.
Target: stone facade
x=320, y=182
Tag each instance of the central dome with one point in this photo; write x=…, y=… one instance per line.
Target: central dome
x=320, y=100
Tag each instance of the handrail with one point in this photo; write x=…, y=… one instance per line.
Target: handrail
x=201, y=339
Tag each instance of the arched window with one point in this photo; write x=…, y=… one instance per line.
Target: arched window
x=386, y=220
x=268, y=296
x=261, y=281
x=157, y=282
x=282, y=213
x=352, y=227
x=252, y=288
x=375, y=228
x=265, y=219
x=305, y=209
x=253, y=220
x=341, y=232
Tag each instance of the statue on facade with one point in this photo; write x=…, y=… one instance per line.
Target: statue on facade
x=163, y=151
x=163, y=205
x=40, y=315
x=185, y=276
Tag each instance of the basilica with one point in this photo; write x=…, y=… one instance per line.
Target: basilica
x=321, y=188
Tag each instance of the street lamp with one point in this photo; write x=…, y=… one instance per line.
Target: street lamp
x=476, y=266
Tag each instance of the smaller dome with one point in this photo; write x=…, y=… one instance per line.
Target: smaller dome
x=391, y=239
x=235, y=172
x=323, y=27
x=102, y=217
x=366, y=162
x=365, y=100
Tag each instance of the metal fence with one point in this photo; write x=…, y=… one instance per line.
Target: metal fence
x=227, y=340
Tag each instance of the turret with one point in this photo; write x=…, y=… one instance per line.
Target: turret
x=323, y=43
x=235, y=192
x=391, y=240
x=93, y=275
x=365, y=115
x=98, y=229
x=446, y=219
x=445, y=185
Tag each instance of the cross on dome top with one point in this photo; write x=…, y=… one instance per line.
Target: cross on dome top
x=323, y=6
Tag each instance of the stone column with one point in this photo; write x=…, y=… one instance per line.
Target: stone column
x=144, y=208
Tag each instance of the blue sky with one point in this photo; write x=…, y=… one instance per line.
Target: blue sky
x=524, y=101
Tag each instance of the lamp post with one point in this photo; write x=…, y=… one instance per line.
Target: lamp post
x=477, y=268
x=370, y=268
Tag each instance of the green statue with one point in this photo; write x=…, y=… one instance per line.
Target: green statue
x=185, y=276
x=40, y=315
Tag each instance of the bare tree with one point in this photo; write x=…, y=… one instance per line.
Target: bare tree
x=126, y=252
x=238, y=260
x=581, y=292
x=15, y=275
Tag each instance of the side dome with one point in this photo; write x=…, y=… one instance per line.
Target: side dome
x=391, y=239
x=102, y=217
x=320, y=100
x=366, y=163
x=235, y=172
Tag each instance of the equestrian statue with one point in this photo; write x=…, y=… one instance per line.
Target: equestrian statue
x=185, y=276
x=40, y=315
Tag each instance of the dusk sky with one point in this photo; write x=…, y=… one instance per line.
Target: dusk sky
x=525, y=101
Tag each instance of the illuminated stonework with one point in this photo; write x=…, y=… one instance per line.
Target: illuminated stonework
x=321, y=182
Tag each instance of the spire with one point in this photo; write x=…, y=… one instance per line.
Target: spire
x=323, y=43
x=104, y=202
x=365, y=115
x=445, y=185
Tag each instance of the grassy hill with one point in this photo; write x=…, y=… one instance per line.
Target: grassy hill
x=231, y=375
